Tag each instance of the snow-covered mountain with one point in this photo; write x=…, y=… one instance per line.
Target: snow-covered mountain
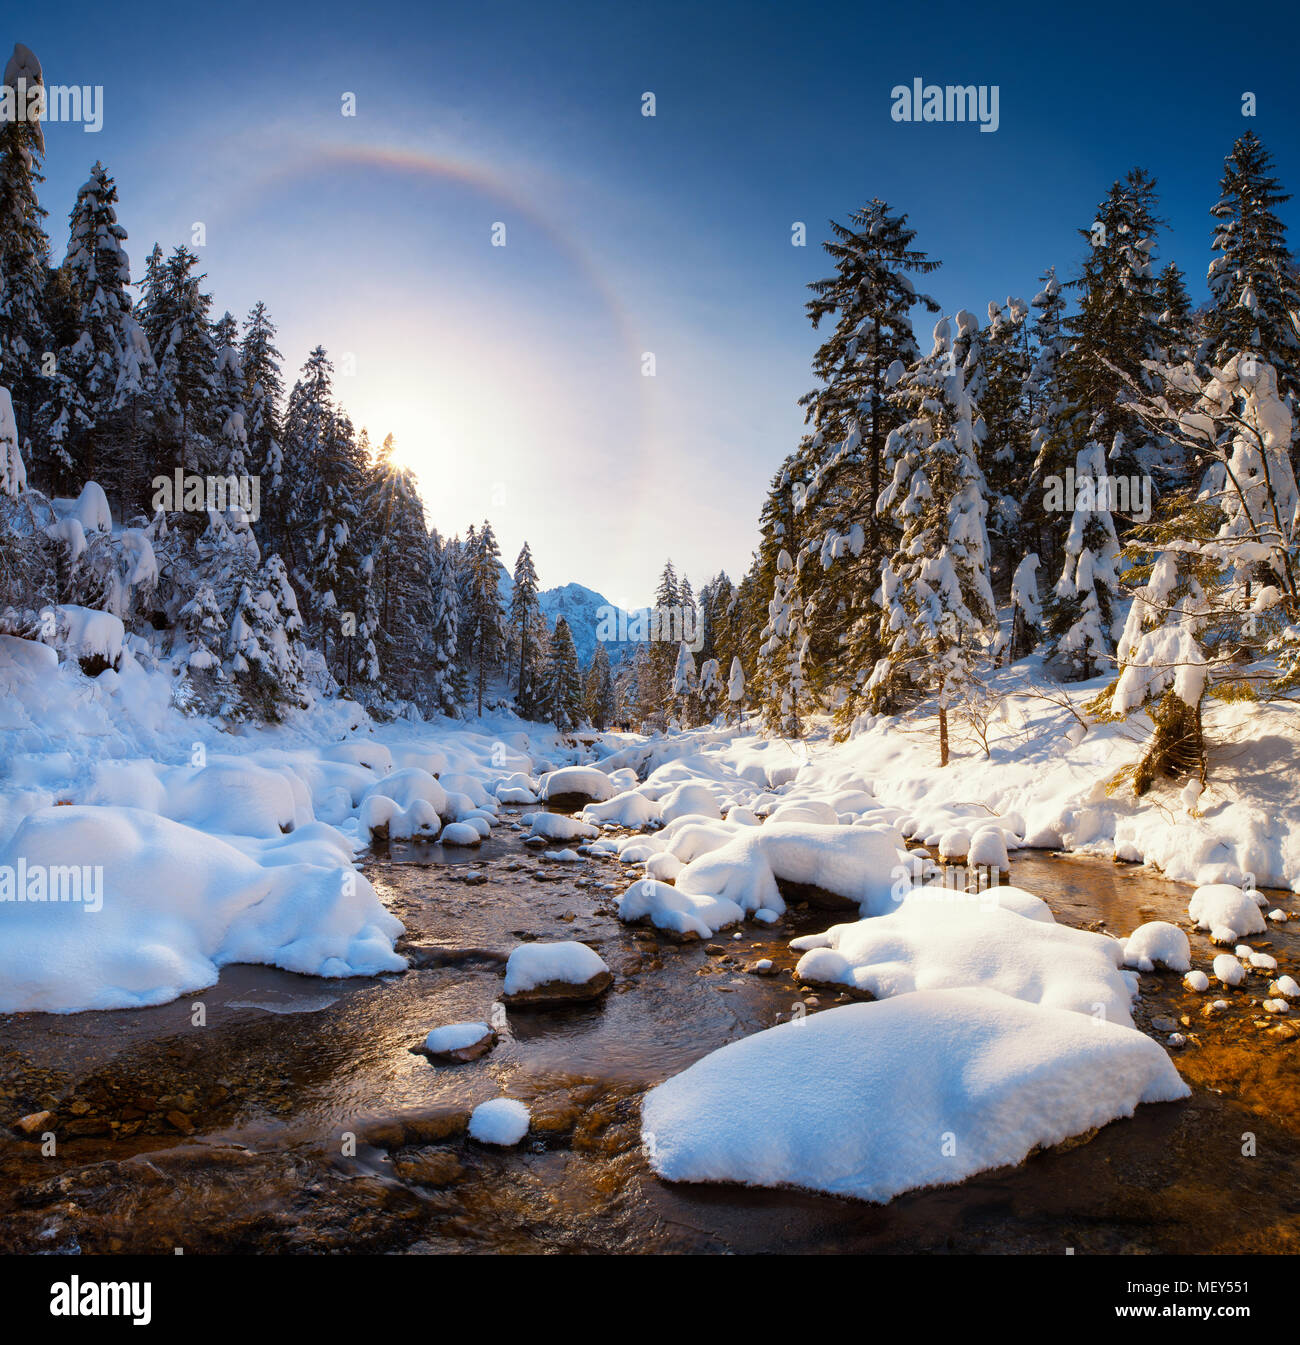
x=584, y=609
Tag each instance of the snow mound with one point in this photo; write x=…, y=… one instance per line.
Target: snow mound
x=925, y=946
x=1158, y=944
x=1222, y=907
x=174, y=906
x=631, y=809
x=1008, y=898
x=503, y=1122
x=678, y=912
x=871, y=1100
x=460, y=833
x=853, y=863
x=582, y=781
x=560, y=827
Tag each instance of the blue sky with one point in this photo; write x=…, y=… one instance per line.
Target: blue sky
x=511, y=376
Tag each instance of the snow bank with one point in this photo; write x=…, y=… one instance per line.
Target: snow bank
x=928, y=946
x=175, y=905
x=678, y=912
x=871, y=1100
x=856, y=864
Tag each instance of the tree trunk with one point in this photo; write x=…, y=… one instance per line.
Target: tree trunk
x=943, y=735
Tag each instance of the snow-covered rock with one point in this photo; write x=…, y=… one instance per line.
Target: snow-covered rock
x=458, y=1042
x=576, y=784
x=1224, y=909
x=503, y=1122
x=547, y=975
x=924, y=946
x=841, y=866
x=679, y=913
x=871, y=1100
x=1158, y=944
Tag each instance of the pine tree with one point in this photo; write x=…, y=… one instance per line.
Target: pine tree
x=736, y=688
x=397, y=546
x=524, y=614
x=482, y=623
x=263, y=391
x=1117, y=329
x=1253, y=282
x=709, y=692
x=442, y=690
x=783, y=653
x=839, y=469
x=229, y=417
x=24, y=253
x=87, y=389
x=564, y=681
x=1004, y=447
x=1177, y=321
x=1047, y=402
x=684, y=683
x=1083, y=608
x=935, y=598
x=598, y=697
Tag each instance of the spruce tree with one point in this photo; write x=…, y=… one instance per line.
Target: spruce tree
x=936, y=602
x=24, y=256
x=482, y=621
x=1253, y=282
x=564, y=680
x=442, y=693
x=524, y=614
x=598, y=696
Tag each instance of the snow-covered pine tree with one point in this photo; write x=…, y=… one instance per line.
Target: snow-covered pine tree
x=935, y=598
x=710, y=691
x=838, y=472
x=666, y=632
x=1083, y=609
x=1026, y=610
x=783, y=653
x=684, y=685
x=397, y=544
x=736, y=688
x=482, y=620
x=1047, y=402
x=229, y=434
x=174, y=313
x=24, y=255
x=1004, y=448
x=564, y=680
x=263, y=391
x=84, y=391
x=1117, y=330
x=598, y=698
x=1253, y=279
x=442, y=691
x=530, y=667
x=1177, y=321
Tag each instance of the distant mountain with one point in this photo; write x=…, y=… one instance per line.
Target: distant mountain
x=584, y=609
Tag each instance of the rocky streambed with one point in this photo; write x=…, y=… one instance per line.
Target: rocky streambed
x=275, y=1112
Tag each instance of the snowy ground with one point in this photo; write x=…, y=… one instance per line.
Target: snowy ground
x=142, y=850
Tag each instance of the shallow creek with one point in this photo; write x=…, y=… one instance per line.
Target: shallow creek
x=235, y=1135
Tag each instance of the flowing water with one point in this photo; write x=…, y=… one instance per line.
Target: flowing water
x=296, y=1118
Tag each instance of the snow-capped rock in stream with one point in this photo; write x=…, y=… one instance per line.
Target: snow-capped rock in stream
x=503, y=1122
x=1226, y=911
x=871, y=1100
x=1158, y=944
x=551, y=975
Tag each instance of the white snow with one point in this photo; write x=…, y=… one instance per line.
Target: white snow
x=1158, y=943
x=503, y=1121
x=535, y=964
x=930, y=946
x=455, y=1037
x=585, y=781
x=681, y=912
x=1228, y=970
x=871, y=1100
x=1197, y=981
x=1225, y=909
